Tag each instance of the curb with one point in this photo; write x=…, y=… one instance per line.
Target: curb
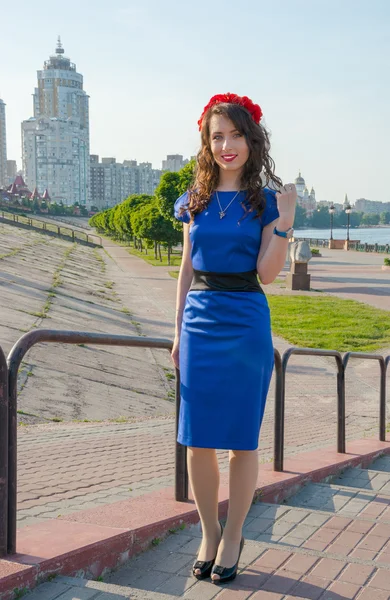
x=87, y=543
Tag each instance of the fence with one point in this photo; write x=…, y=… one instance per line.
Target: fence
x=65, y=233
x=8, y=410
x=324, y=243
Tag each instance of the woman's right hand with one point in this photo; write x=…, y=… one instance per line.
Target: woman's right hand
x=175, y=352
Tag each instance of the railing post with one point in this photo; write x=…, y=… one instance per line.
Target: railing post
x=13, y=368
x=382, y=390
x=181, y=473
x=3, y=453
x=279, y=413
x=340, y=406
x=340, y=394
x=382, y=409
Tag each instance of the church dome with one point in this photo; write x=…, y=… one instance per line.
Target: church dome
x=299, y=180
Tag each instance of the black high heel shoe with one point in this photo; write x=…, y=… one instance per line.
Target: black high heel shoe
x=205, y=566
x=227, y=573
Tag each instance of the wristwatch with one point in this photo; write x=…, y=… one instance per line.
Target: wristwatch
x=285, y=234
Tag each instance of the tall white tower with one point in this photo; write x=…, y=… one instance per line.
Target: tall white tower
x=56, y=139
x=3, y=147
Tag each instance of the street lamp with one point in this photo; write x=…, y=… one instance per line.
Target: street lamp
x=348, y=210
x=332, y=210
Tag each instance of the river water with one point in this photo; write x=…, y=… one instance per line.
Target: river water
x=369, y=235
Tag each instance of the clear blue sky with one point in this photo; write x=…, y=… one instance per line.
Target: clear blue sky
x=318, y=68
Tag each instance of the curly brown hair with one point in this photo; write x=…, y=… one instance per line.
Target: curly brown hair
x=206, y=174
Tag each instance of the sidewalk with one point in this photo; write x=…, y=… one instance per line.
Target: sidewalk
x=64, y=468
x=352, y=275
x=316, y=534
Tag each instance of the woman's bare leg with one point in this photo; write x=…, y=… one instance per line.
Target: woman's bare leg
x=243, y=472
x=203, y=474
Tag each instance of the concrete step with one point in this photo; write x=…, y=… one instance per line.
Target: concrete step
x=381, y=464
x=343, y=500
x=328, y=542
x=280, y=572
x=296, y=553
x=74, y=588
x=367, y=479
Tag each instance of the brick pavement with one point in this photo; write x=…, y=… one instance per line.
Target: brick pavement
x=106, y=462
x=312, y=547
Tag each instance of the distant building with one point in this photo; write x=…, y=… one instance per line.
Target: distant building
x=371, y=206
x=113, y=182
x=149, y=178
x=17, y=191
x=174, y=162
x=305, y=199
x=11, y=171
x=338, y=207
x=3, y=147
x=55, y=141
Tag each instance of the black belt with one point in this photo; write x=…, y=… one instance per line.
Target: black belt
x=245, y=281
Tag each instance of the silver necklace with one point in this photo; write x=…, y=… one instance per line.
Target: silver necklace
x=222, y=212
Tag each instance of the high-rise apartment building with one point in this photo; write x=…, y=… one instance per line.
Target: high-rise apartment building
x=3, y=147
x=113, y=182
x=55, y=141
x=174, y=162
x=12, y=170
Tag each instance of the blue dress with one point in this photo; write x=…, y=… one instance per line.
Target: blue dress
x=226, y=353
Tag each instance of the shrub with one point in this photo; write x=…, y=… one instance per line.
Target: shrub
x=387, y=262
x=314, y=250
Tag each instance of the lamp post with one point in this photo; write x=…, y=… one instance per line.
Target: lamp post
x=348, y=210
x=331, y=212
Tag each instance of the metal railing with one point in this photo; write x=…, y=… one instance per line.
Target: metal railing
x=8, y=410
x=365, y=247
x=15, y=357
x=66, y=233
x=382, y=390
x=279, y=426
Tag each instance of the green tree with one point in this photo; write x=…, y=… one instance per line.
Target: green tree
x=300, y=217
x=186, y=177
x=320, y=218
x=149, y=224
x=171, y=186
x=124, y=211
x=385, y=218
x=356, y=218
x=166, y=194
x=370, y=219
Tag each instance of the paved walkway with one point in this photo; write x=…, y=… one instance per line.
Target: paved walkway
x=64, y=468
x=352, y=275
x=328, y=542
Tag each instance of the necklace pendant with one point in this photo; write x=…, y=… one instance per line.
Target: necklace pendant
x=222, y=214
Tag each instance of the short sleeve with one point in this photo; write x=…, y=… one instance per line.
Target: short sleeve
x=182, y=201
x=271, y=208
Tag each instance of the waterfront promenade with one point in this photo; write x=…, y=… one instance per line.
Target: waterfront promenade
x=67, y=469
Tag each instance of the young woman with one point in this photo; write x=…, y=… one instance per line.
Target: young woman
x=236, y=231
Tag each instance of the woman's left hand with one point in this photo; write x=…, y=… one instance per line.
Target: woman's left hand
x=286, y=199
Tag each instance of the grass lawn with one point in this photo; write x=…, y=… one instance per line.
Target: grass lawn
x=329, y=322
x=175, y=258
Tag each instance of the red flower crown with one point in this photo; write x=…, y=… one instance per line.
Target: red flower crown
x=228, y=98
